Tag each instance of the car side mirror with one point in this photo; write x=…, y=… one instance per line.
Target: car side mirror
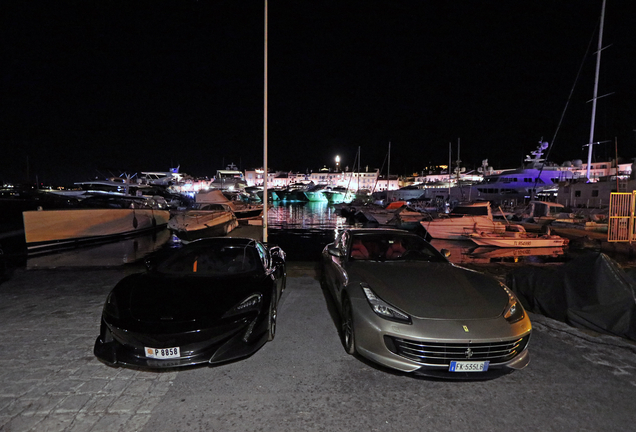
x=277, y=253
x=445, y=252
x=334, y=251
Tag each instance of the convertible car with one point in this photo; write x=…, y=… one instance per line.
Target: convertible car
x=211, y=301
x=403, y=305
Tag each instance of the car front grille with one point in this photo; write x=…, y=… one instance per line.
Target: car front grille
x=436, y=353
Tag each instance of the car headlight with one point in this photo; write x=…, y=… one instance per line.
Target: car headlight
x=249, y=304
x=382, y=308
x=514, y=311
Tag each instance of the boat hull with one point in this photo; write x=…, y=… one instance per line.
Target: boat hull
x=507, y=242
x=316, y=196
x=56, y=228
x=195, y=225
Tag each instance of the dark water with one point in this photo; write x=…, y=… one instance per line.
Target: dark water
x=301, y=229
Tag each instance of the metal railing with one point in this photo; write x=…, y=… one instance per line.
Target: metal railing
x=621, y=217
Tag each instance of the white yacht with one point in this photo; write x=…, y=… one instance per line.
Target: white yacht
x=535, y=177
x=464, y=219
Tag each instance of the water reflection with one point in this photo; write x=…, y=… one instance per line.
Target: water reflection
x=301, y=229
x=465, y=252
x=517, y=254
x=118, y=253
x=310, y=215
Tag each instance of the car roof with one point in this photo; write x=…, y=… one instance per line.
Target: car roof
x=355, y=231
x=234, y=241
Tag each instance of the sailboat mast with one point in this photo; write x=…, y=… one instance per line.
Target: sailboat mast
x=598, y=68
x=358, y=188
x=265, y=198
x=450, y=165
x=388, y=173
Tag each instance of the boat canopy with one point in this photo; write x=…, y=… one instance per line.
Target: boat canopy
x=472, y=210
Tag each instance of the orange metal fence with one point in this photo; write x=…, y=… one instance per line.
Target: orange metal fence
x=621, y=217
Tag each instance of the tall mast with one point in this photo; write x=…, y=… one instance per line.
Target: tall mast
x=265, y=199
x=598, y=68
x=388, y=173
x=450, y=165
x=358, y=168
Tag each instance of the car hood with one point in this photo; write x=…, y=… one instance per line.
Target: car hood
x=433, y=290
x=151, y=298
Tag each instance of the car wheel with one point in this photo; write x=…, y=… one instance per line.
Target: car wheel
x=271, y=328
x=348, y=334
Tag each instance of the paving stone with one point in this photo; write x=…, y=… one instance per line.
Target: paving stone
x=5, y=401
x=22, y=423
x=73, y=403
x=55, y=423
x=98, y=404
x=43, y=406
x=116, y=386
x=137, y=422
x=84, y=423
x=112, y=422
x=16, y=388
x=95, y=385
x=125, y=404
x=15, y=408
x=139, y=387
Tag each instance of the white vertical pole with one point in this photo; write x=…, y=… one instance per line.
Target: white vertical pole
x=450, y=165
x=265, y=199
x=388, y=173
x=598, y=68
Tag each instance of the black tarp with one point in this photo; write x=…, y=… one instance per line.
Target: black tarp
x=592, y=291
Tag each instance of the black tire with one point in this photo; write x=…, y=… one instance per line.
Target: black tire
x=346, y=331
x=271, y=327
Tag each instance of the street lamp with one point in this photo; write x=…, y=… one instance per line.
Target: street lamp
x=337, y=163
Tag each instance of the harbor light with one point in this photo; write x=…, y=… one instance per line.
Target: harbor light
x=337, y=163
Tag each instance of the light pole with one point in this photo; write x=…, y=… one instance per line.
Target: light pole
x=265, y=199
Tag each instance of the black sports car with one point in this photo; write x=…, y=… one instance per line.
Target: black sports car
x=211, y=301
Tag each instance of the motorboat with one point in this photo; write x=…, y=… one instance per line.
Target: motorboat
x=97, y=219
x=316, y=194
x=203, y=220
x=293, y=192
x=408, y=219
x=464, y=218
x=380, y=215
x=517, y=238
x=111, y=254
x=536, y=176
x=337, y=195
x=241, y=210
x=516, y=253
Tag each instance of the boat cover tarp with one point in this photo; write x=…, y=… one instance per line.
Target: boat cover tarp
x=591, y=291
x=212, y=196
x=396, y=205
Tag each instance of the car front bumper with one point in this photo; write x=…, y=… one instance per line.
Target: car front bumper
x=128, y=351
x=453, y=340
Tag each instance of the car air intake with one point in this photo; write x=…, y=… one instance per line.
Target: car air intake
x=441, y=354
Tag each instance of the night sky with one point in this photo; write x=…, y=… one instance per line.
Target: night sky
x=93, y=88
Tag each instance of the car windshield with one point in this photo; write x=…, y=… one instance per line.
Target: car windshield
x=212, y=260
x=392, y=247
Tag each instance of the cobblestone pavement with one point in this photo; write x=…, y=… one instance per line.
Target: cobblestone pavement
x=50, y=378
x=303, y=381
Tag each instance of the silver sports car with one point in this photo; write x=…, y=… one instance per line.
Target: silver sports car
x=404, y=305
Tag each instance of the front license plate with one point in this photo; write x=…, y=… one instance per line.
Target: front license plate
x=162, y=353
x=469, y=366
